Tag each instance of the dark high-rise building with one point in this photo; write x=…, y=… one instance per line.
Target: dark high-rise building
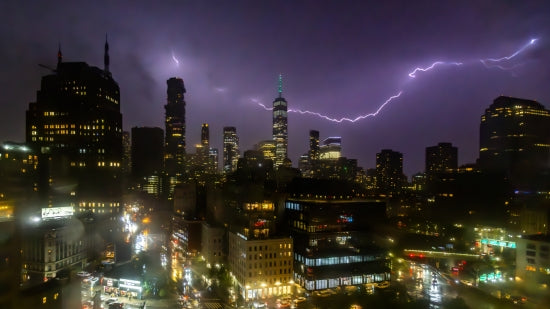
x=76, y=126
x=147, y=151
x=174, y=150
x=205, y=135
x=10, y=255
x=514, y=137
x=230, y=149
x=441, y=158
x=313, y=145
x=280, y=126
x=389, y=171
x=18, y=175
x=213, y=158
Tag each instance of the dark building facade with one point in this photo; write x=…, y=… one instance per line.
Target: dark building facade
x=147, y=151
x=280, y=126
x=75, y=126
x=389, y=171
x=174, y=147
x=148, y=159
x=441, y=158
x=313, y=145
x=333, y=242
x=514, y=137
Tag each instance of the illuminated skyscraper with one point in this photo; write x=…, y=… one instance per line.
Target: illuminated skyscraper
x=267, y=148
x=280, y=126
x=174, y=142
x=205, y=135
x=441, y=158
x=514, y=136
x=331, y=148
x=203, y=165
x=76, y=127
x=230, y=149
x=313, y=145
x=389, y=171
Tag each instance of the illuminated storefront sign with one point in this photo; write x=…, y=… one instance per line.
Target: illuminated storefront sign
x=129, y=284
x=57, y=212
x=490, y=276
x=499, y=243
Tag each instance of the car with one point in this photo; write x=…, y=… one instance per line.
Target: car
x=323, y=293
x=382, y=285
x=283, y=304
x=299, y=299
x=116, y=306
x=111, y=301
x=83, y=274
x=518, y=299
x=466, y=282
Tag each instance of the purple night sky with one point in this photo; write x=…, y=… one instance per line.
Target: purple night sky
x=338, y=58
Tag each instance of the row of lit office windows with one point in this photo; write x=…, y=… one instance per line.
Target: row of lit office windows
x=336, y=260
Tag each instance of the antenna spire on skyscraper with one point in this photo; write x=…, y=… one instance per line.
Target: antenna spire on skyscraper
x=59, y=54
x=280, y=88
x=106, y=56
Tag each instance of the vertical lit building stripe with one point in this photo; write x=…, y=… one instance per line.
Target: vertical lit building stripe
x=280, y=126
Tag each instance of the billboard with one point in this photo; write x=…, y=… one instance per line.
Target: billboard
x=57, y=212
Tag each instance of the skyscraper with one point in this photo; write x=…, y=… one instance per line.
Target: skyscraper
x=389, y=171
x=313, y=145
x=230, y=149
x=331, y=148
x=76, y=126
x=267, y=148
x=280, y=126
x=514, y=137
x=174, y=142
x=441, y=158
x=205, y=135
x=202, y=165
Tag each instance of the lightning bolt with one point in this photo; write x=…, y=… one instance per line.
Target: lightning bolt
x=337, y=120
x=488, y=63
x=519, y=51
x=413, y=73
x=175, y=59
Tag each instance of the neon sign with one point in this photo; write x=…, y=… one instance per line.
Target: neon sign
x=499, y=243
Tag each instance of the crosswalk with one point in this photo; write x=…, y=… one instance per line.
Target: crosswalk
x=211, y=305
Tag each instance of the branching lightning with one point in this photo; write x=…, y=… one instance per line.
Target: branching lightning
x=500, y=63
x=519, y=51
x=338, y=120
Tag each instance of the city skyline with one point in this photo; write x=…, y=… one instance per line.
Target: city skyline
x=337, y=60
